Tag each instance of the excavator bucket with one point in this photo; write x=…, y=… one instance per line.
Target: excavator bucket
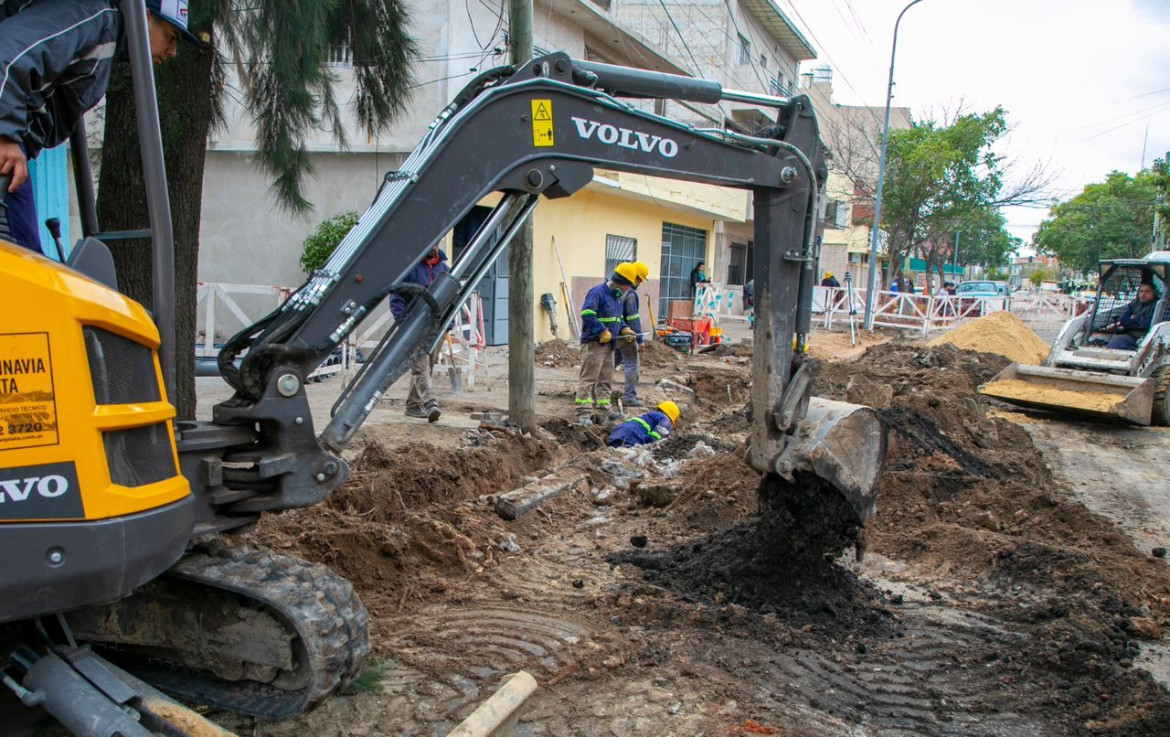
x=1088, y=394
x=823, y=483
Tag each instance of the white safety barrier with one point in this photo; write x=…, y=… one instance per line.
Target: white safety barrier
x=464, y=343
x=927, y=313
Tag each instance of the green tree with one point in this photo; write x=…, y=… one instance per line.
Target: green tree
x=984, y=240
x=319, y=246
x=280, y=53
x=1107, y=219
x=1039, y=275
x=1160, y=173
x=943, y=179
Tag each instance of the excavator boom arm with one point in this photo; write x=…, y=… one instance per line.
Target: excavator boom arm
x=538, y=130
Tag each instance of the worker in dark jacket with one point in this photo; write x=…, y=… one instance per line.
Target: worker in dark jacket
x=55, y=59
x=630, y=339
x=600, y=314
x=420, y=401
x=649, y=428
x=1135, y=322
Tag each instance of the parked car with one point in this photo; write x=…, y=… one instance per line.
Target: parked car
x=982, y=289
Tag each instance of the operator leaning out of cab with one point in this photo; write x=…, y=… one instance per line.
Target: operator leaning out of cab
x=56, y=56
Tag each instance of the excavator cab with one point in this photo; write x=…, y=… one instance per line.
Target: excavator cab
x=1110, y=363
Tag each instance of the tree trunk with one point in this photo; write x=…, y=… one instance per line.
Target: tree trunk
x=186, y=113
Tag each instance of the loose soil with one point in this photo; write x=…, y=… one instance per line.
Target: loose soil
x=989, y=602
x=557, y=354
x=1092, y=399
x=1000, y=332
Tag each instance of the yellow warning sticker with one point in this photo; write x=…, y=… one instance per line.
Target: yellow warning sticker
x=542, y=123
x=28, y=404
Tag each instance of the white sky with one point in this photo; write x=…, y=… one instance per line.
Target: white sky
x=1081, y=80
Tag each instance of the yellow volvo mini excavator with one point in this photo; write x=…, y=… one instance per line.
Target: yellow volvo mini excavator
x=116, y=516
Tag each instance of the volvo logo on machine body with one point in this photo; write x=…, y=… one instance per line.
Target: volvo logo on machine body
x=49, y=491
x=626, y=138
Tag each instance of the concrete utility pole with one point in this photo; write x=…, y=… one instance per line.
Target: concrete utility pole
x=874, y=265
x=521, y=324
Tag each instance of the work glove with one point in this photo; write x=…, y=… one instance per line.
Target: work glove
x=605, y=337
x=628, y=335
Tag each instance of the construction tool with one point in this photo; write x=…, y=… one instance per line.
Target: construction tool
x=454, y=373
x=576, y=331
x=852, y=311
x=549, y=303
x=1082, y=375
x=650, y=311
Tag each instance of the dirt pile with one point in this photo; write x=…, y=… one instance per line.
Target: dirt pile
x=557, y=354
x=407, y=523
x=658, y=355
x=1000, y=332
x=967, y=501
x=964, y=491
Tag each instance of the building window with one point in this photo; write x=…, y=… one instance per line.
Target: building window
x=737, y=268
x=744, y=53
x=619, y=248
x=682, y=250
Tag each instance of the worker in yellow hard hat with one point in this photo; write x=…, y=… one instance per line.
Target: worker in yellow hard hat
x=830, y=280
x=601, y=314
x=630, y=339
x=649, y=428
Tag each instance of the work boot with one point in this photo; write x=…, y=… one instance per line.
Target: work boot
x=413, y=410
x=633, y=402
x=584, y=420
x=432, y=413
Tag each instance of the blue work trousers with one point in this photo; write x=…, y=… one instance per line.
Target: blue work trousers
x=628, y=357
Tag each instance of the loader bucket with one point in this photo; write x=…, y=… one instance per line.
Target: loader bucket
x=1089, y=394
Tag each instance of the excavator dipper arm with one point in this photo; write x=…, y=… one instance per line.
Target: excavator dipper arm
x=534, y=131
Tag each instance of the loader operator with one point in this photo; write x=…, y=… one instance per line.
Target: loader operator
x=55, y=61
x=600, y=314
x=629, y=348
x=1135, y=322
x=420, y=401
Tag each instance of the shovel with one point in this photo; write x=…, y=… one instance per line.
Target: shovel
x=454, y=373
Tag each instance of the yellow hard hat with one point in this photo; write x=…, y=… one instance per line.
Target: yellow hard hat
x=627, y=271
x=670, y=409
x=828, y=275
x=642, y=270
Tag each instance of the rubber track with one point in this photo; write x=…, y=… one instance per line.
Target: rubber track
x=330, y=621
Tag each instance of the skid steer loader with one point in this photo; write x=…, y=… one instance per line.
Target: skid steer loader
x=1085, y=377
x=116, y=516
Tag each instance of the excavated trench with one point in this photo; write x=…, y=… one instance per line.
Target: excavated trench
x=989, y=601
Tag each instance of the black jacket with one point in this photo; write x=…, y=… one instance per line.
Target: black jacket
x=55, y=60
